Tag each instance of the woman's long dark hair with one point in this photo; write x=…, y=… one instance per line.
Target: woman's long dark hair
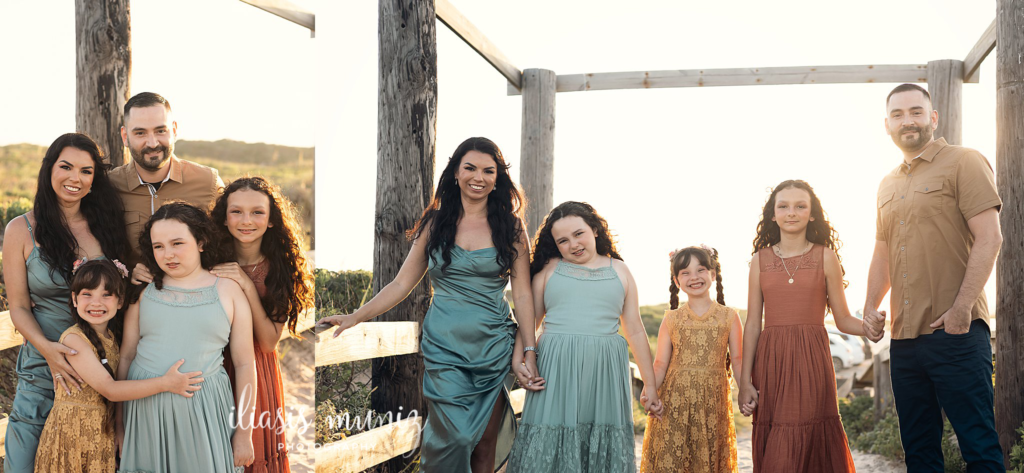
x=199, y=224
x=505, y=207
x=544, y=246
x=819, y=230
x=101, y=208
x=90, y=275
x=289, y=280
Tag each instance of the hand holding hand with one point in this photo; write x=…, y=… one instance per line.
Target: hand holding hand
x=527, y=380
x=652, y=404
x=141, y=275
x=874, y=324
x=182, y=384
x=955, y=321
x=748, y=399
x=342, y=321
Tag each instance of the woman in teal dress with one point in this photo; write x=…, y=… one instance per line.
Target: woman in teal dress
x=583, y=420
x=76, y=213
x=187, y=314
x=472, y=242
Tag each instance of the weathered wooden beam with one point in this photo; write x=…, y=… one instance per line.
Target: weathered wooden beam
x=9, y=337
x=883, y=385
x=945, y=84
x=517, y=398
x=3, y=433
x=366, y=341
x=1009, y=390
x=459, y=25
x=537, y=155
x=287, y=10
x=740, y=76
x=103, y=71
x=979, y=52
x=364, y=450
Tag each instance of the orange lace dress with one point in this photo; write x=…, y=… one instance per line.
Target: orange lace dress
x=696, y=432
x=268, y=435
x=74, y=439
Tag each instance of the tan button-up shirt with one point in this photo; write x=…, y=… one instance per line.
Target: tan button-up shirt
x=187, y=181
x=923, y=209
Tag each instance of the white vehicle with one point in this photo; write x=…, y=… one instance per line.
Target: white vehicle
x=857, y=345
x=842, y=354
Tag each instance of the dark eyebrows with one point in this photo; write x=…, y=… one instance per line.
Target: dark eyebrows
x=72, y=165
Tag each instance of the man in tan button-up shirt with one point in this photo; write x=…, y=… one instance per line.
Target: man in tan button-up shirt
x=937, y=233
x=155, y=175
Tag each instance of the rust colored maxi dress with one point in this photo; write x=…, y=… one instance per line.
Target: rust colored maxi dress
x=796, y=423
x=268, y=443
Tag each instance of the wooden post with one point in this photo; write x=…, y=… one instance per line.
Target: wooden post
x=945, y=84
x=537, y=158
x=1009, y=395
x=406, y=131
x=883, y=385
x=103, y=68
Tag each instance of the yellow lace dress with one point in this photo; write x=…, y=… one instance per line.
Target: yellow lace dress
x=73, y=439
x=696, y=432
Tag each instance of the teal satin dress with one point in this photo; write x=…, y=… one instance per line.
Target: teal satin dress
x=33, y=399
x=467, y=340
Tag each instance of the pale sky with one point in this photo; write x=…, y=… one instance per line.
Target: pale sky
x=229, y=70
x=667, y=168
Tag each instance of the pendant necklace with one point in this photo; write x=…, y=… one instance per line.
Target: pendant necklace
x=778, y=251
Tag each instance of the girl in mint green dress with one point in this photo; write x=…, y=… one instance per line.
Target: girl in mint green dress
x=583, y=420
x=472, y=243
x=187, y=313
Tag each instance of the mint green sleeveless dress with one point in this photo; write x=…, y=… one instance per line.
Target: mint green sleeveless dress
x=168, y=433
x=467, y=340
x=583, y=420
x=33, y=400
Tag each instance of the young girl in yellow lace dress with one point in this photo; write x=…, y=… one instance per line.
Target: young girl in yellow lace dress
x=696, y=343
x=79, y=432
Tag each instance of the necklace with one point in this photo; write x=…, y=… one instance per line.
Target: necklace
x=778, y=252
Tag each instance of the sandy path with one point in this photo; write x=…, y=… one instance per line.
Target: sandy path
x=297, y=372
x=865, y=462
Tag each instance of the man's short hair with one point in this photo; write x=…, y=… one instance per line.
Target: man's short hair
x=908, y=88
x=146, y=99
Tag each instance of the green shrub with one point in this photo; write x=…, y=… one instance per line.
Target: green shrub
x=1017, y=453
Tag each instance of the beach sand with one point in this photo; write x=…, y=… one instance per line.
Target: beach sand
x=296, y=357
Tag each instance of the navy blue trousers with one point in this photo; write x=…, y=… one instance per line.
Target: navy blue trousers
x=940, y=371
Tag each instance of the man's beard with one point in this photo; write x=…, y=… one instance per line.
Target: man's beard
x=924, y=136
x=155, y=163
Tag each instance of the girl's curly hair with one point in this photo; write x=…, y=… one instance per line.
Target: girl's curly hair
x=544, y=246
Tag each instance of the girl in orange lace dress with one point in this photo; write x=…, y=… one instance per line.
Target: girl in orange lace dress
x=259, y=224
x=697, y=344
x=796, y=277
x=79, y=432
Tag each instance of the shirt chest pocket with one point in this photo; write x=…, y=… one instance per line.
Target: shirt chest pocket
x=885, y=208
x=133, y=224
x=927, y=199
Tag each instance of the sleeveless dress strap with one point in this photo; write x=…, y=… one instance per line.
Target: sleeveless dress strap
x=30, y=234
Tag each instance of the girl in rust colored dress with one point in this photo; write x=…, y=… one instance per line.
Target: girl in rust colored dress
x=796, y=278
x=698, y=343
x=260, y=224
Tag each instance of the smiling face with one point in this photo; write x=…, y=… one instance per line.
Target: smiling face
x=792, y=210
x=149, y=134
x=575, y=239
x=695, y=279
x=72, y=174
x=248, y=215
x=910, y=120
x=175, y=248
x=476, y=175
x=97, y=305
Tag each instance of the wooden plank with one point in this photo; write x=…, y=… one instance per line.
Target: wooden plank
x=883, y=385
x=287, y=10
x=453, y=19
x=945, y=84
x=537, y=147
x=9, y=337
x=741, y=76
x=307, y=319
x=3, y=432
x=1009, y=273
x=370, y=448
x=986, y=43
x=367, y=340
